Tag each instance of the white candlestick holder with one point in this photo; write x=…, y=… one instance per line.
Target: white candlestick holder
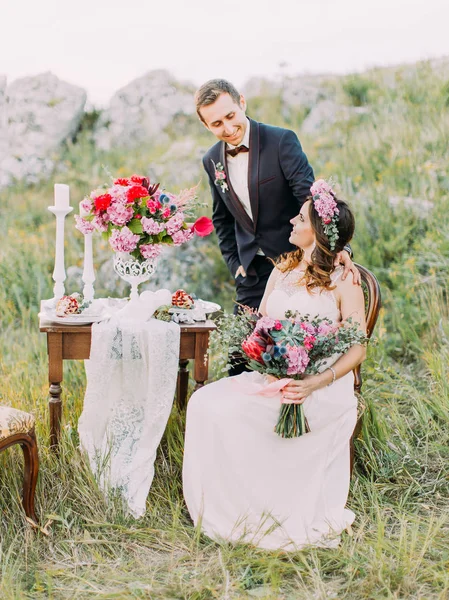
x=59, y=270
x=88, y=272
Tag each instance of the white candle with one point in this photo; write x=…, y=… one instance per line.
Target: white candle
x=62, y=195
x=83, y=211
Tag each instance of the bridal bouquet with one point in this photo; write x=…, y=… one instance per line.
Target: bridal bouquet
x=289, y=349
x=139, y=218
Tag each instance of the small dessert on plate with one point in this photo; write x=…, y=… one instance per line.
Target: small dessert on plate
x=181, y=299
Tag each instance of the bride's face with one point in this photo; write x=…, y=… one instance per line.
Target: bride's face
x=302, y=234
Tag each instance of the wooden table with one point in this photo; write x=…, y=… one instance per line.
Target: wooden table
x=65, y=342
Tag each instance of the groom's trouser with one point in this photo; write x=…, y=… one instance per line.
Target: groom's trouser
x=250, y=290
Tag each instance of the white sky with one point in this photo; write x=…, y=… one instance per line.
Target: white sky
x=102, y=45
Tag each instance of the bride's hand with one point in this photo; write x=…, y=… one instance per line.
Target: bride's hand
x=296, y=392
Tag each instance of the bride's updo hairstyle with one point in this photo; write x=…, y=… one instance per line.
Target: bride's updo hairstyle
x=318, y=273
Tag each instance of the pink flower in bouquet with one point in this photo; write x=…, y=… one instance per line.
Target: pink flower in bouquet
x=203, y=227
x=182, y=236
x=135, y=192
x=254, y=347
x=175, y=223
x=150, y=250
x=278, y=325
x=298, y=359
x=101, y=222
x=324, y=328
x=264, y=324
x=166, y=213
x=124, y=240
x=308, y=327
x=151, y=226
x=119, y=194
x=309, y=342
x=86, y=205
x=153, y=206
x=83, y=225
x=120, y=214
x=102, y=202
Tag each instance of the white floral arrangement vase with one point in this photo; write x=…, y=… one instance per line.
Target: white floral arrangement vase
x=134, y=271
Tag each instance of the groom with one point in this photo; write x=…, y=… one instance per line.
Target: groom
x=259, y=177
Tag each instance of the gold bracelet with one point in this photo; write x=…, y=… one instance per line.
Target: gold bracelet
x=334, y=375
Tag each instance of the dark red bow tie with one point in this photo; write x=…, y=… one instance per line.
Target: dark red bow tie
x=236, y=150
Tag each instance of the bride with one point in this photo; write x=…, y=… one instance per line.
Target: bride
x=242, y=482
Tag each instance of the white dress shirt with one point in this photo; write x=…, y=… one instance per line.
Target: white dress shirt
x=238, y=175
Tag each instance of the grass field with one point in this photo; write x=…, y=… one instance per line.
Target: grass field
x=393, y=167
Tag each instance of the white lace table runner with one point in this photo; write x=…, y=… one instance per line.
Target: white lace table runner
x=131, y=382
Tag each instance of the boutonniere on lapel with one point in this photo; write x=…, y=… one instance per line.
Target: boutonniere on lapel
x=220, y=176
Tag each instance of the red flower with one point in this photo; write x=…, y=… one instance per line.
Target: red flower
x=121, y=181
x=135, y=192
x=102, y=202
x=254, y=347
x=278, y=325
x=203, y=226
x=137, y=179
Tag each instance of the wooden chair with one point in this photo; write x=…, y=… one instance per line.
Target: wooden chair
x=372, y=308
x=17, y=427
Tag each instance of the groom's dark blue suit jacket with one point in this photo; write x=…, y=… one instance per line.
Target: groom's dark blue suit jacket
x=279, y=180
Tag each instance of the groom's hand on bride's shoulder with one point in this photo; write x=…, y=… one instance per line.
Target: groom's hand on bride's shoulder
x=344, y=259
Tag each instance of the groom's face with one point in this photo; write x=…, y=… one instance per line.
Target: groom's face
x=226, y=119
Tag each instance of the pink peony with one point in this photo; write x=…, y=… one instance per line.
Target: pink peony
x=151, y=226
x=123, y=240
x=83, y=225
x=120, y=214
x=150, y=250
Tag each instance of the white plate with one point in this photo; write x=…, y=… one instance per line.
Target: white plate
x=73, y=319
x=208, y=307
x=203, y=305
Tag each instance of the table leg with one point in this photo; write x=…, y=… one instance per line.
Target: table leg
x=183, y=384
x=55, y=373
x=55, y=406
x=201, y=370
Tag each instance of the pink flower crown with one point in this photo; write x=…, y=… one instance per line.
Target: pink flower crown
x=323, y=197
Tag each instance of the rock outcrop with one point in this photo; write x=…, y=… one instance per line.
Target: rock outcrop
x=39, y=113
x=142, y=109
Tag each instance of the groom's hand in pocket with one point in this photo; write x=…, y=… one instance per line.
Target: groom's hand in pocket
x=240, y=271
x=344, y=259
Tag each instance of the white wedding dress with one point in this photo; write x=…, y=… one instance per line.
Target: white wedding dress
x=242, y=482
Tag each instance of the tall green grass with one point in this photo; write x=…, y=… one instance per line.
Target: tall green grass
x=400, y=487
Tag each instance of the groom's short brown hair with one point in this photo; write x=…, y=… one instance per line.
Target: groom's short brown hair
x=211, y=90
